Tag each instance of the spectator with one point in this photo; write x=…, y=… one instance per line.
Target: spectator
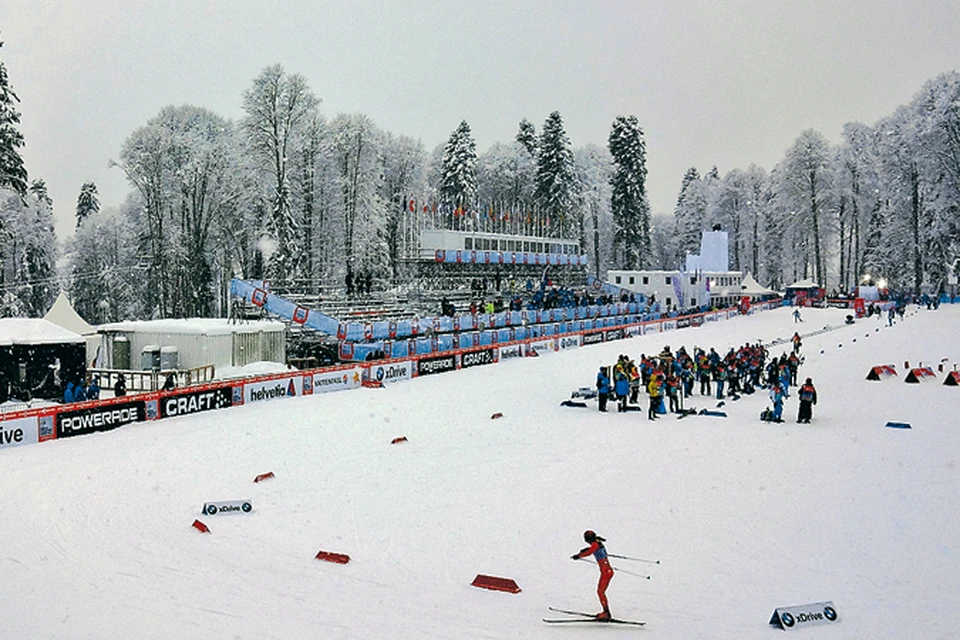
x=120, y=387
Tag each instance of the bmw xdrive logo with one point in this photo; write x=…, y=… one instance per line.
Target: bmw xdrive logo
x=246, y=506
x=211, y=509
x=830, y=613
x=787, y=620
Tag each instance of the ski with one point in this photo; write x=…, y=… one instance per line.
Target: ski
x=587, y=617
x=635, y=623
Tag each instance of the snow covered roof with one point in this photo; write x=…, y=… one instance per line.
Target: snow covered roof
x=750, y=287
x=806, y=283
x=35, y=331
x=193, y=326
x=63, y=314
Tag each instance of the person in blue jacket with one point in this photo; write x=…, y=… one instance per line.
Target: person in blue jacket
x=622, y=388
x=68, y=393
x=93, y=391
x=603, y=388
x=80, y=391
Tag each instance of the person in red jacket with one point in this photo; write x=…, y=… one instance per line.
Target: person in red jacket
x=599, y=552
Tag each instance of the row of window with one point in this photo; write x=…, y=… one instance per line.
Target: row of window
x=724, y=281
x=493, y=244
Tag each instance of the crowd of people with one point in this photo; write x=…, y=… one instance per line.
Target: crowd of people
x=670, y=377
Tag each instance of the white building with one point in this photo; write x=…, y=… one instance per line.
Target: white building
x=707, y=279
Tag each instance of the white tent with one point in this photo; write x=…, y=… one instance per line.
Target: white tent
x=63, y=314
x=750, y=287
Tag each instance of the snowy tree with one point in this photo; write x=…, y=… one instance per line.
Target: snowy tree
x=87, y=202
x=184, y=166
x=857, y=192
x=28, y=279
x=689, y=214
x=527, y=137
x=557, y=184
x=458, y=179
x=594, y=169
x=631, y=212
x=13, y=174
x=356, y=146
x=404, y=166
x=278, y=106
x=102, y=264
x=806, y=175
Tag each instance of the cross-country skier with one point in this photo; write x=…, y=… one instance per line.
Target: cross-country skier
x=599, y=552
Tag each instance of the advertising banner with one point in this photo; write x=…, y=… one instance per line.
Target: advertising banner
x=683, y=323
x=438, y=364
x=272, y=389
x=195, y=402
x=223, y=507
x=805, y=615
x=101, y=418
x=613, y=334
x=569, y=342
x=394, y=372
x=593, y=338
x=669, y=325
x=653, y=327
x=541, y=346
x=696, y=321
x=334, y=381
x=477, y=358
x=513, y=351
x=19, y=431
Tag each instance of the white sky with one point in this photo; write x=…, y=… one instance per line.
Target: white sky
x=719, y=83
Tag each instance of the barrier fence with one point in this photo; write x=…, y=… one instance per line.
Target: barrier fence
x=40, y=424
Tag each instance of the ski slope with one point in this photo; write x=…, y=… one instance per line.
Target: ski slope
x=744, y=516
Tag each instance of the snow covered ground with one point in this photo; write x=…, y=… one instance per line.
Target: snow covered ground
x=744, y=516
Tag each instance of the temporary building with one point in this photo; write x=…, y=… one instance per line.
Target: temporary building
x=38, y=358
x=190, y=343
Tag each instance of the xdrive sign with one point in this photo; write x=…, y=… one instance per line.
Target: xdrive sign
x=806, y=615
x=103, y=418
x=391, y=372
x=196, y=402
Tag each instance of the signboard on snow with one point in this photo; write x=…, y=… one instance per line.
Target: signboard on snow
x=99, y=418
x=593, y=338
x=387, y=373
x=195, y=402
x=569, y=342
x=540, y=346
x=19, y=431
x=332, y=381
x=653, y=327
x=477, y=358
x=513, y=351
x=439, y=364
x=805, y=615
x=272, y=389
x=223, y=507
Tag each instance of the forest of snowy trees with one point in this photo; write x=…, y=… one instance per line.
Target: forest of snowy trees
x=287, y=194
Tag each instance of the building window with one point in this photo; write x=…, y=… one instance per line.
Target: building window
x=693, y=302
x=631, y=279
x=693, y=280
x=526, y=245
x=669, y=302
x=468, y=243
x=669, y=281
x=617, y=280
x=646, y=280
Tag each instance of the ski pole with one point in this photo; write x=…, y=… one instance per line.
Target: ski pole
x=614, y=555
x=618, y=569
